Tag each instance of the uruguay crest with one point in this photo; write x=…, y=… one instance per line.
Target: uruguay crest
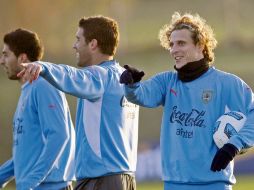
x=207, y=96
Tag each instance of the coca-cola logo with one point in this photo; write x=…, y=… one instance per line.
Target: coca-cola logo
x=194, y=118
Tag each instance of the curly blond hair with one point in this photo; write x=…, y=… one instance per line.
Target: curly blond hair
x=202, y=33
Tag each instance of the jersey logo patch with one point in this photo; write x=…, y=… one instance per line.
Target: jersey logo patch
x=207, y=96
x=173, y=91
x=52, y=106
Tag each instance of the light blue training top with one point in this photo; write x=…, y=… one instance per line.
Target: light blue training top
x=190, y=112
x=106, y=123
x=43, y=140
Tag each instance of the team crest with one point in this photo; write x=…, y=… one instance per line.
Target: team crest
x=207, y=96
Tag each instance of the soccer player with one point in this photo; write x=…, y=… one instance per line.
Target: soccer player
x=106, y=123
x=193, y=97
x=43, y=133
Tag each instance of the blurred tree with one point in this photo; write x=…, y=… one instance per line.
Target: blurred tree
x=232, y=21
x=139, y=20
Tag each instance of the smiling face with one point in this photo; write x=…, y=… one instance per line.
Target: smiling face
x=183, y=49
x=10, y=63
x=83, y=52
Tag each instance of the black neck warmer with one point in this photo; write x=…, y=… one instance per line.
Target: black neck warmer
x=192, y=70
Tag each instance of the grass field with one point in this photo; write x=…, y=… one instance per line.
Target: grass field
x=243, y=183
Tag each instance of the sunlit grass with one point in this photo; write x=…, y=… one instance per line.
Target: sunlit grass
x=243, y=183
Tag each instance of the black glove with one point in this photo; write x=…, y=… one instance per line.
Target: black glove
x=131, y=75
x=223, y=157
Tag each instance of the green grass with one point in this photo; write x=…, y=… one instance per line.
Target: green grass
x=243, y=183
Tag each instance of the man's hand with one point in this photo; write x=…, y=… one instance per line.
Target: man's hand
x=131, y=75
x=223, y=157
x=30, y=71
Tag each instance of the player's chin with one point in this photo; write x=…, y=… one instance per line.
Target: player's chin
x=179, y=65
x=12, y=77
x=81, y=64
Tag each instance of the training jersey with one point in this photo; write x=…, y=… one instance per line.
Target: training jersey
x=43, y=140
x=189, y=116
x=106, y=123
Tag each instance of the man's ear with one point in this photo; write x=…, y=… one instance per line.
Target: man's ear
x=22, y=58
x=93, y=44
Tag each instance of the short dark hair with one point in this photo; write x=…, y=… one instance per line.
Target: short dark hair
x=24, y=41
x=104, y=30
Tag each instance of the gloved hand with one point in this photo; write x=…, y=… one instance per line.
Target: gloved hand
x=131, y=75
x=223, y=157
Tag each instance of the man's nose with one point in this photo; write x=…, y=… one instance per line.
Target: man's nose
x=74, y=46
x=173, y=49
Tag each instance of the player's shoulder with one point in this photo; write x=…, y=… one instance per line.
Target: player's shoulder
x=40, y=82
x=223, y=74
x=166, y=76
x=229, y=79
x=114, y=67
x=43, y=86
x=167, y=73
x=96, y=70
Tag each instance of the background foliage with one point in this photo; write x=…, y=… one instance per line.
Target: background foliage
x=140, y=20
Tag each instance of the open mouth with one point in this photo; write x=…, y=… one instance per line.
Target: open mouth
x=178, y=58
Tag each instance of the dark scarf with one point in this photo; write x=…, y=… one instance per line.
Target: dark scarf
x=192, y=70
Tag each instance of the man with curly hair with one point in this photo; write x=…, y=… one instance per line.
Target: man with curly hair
x=193, y=98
